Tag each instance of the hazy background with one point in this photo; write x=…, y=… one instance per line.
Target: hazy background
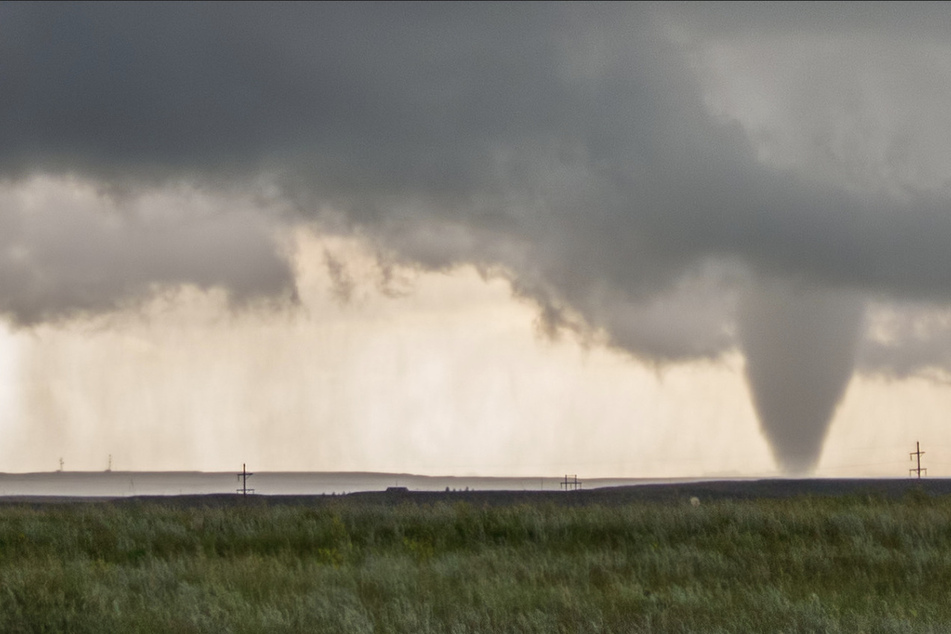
x=649, y=240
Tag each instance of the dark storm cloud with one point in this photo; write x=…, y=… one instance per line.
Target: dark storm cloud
x=569, y=143
x=907, y=340
x=364, y=91
x=732, y=19
x=511, y=131
x=567, y=147
x=71, y=249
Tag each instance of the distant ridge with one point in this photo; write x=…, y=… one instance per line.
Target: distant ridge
x=164, y=485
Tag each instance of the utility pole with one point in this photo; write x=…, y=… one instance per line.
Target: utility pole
x=571, y=485
x=243, y=478
x=912, y=455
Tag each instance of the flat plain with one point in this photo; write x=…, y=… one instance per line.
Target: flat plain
x=755, y=556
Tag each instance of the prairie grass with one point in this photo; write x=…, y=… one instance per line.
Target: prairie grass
x=853, y=564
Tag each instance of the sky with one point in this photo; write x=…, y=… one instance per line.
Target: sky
x=648, y=240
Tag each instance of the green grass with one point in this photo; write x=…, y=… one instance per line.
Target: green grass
x=854, y=564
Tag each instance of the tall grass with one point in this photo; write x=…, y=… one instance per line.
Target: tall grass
x=853, y=564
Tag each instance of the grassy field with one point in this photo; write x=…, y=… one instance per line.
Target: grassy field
x=857, y=563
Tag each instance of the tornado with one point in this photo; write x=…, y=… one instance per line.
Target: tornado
x=800, y=345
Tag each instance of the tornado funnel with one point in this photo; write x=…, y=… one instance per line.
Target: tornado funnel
x=800, y=346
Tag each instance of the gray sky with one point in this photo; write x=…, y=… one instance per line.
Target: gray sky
x=635, y=171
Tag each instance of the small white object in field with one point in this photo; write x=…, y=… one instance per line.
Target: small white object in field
x=694, y=501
